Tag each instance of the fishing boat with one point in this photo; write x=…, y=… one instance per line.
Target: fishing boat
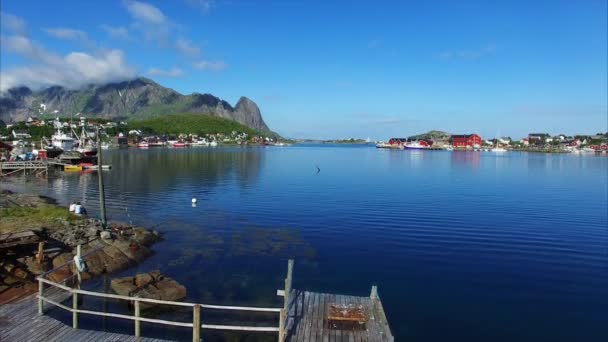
x=85, y=143
x=417, y=145
x=60, y=141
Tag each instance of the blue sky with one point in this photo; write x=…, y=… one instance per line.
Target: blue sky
x=332, y=69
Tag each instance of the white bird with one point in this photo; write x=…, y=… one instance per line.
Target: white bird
x=193, y=200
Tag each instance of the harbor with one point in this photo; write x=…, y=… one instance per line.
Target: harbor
x=305, y=316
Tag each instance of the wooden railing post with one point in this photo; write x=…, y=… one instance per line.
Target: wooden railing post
x=137, y=321
x=285, y=310
x=282, y=325
x=74, y=312
x=374, y=292
x=40, y=294
x=196, y=323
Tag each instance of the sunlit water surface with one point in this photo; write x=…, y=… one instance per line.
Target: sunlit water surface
x=463, y=245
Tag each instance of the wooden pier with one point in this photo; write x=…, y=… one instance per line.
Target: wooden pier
x=35, y=166
x=304, y=317
x=308, y=319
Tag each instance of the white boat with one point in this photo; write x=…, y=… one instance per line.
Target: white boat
x=105, y=146
x=498, y=149
x=61, y=140
x=143, y=144
x=213, y=143
x=417, y=145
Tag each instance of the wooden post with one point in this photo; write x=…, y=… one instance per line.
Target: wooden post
x=285, y=310
x=282, y=325
x=374, y=293
x=40, y=255
x=137, y=321
x=79, y=254
x=40, y=294
x=196, y=323
x=74, y=313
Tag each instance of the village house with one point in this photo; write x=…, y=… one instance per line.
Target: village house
x=538, y=139
x=466, y=141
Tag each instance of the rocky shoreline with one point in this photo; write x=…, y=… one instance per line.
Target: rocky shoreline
x=119, y=247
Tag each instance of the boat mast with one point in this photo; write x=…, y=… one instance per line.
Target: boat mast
x=102, y=200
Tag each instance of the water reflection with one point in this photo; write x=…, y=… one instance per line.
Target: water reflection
x=465, y=159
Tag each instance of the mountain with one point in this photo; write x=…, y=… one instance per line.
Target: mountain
x=140, y=98
x=432, y=135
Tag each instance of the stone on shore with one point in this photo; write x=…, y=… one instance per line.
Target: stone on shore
x=151, y=285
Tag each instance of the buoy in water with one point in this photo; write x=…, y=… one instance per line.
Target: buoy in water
x=193, y=200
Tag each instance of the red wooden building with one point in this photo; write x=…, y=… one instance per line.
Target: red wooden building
x=466, y=140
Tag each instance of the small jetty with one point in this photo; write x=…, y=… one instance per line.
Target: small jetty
x=305, y=316
x=42, y=166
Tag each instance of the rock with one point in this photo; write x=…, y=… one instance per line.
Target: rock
x=115, y=260
x=133, y=251
x=149, y=285
x=143, y=237
x=8, y=266
x=62, y=273
x=34, y=267
x=19, y=273
x=106, y=235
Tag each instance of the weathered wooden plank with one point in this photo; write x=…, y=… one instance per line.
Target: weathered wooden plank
x=325, y=331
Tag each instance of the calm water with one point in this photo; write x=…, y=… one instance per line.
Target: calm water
x=463, y=246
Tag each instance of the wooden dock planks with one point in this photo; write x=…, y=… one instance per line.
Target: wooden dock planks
x=20, y=322
x=307, y=316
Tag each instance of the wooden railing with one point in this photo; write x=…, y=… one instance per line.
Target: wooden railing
x=196, y=323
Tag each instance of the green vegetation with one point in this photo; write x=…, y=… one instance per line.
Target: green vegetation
x=42, y=216
x=347, y=141
x=432, y=135
x=36, y=132
x=190, y=124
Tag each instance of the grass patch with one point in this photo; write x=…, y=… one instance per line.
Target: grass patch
x=15, y=219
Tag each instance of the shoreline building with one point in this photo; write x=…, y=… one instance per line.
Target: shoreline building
x=466, y=141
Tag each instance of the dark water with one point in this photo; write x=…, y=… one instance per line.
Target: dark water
x=463, y=246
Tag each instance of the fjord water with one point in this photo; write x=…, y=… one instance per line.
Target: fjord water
x=462, y=245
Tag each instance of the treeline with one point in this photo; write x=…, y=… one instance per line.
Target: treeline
x=191, y=124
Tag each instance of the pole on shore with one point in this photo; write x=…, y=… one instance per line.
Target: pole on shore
x=102, y=200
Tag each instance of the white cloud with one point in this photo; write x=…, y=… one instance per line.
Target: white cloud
x=67, y=34
x=173, y=72
x=186, y=47
x=12, y=23
x=210, y=65
x=119, y=32
x=145, y=12
x=73, y=70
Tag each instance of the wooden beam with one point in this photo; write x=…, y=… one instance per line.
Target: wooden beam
x=75, y=310
x=137, y=321
x=196, y=323
x=374, y=293
x=40, y=295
